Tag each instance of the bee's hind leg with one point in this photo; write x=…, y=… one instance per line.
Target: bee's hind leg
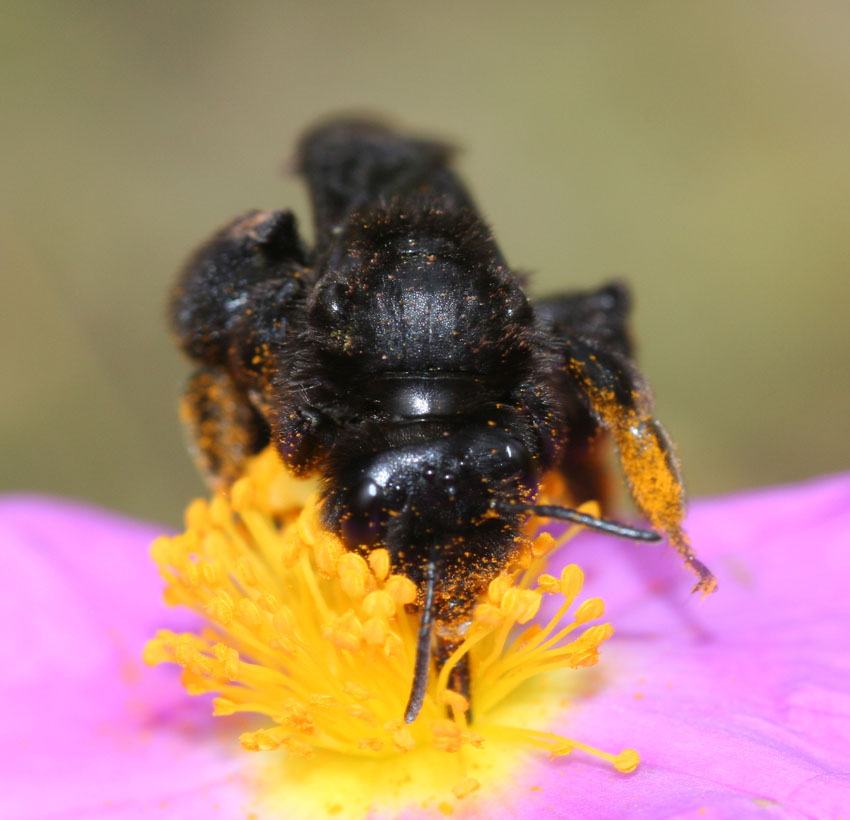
x=223, y=426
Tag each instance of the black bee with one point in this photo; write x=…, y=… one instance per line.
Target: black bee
x=401, y=360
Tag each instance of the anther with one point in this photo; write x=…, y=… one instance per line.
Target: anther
x=589, y=610
x=520, y=605
x=401, y=588
x=379, y=603
x=345, y=632
x=354, y=575
x=328, y=550
x=498, y=587
x=379, y=561
x=572, y=580
x=627, y=761
x=549, y=584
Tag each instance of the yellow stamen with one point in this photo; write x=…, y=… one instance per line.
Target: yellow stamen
x=320, y=642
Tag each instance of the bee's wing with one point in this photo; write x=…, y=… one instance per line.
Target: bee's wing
x=602, y=388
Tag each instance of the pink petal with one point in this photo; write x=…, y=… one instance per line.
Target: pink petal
x=737, y=702
x=87, y=729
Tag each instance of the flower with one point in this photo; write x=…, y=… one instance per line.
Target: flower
x=738, y=703
x=318, y=641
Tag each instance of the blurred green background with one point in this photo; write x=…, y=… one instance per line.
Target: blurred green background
x=701, y=150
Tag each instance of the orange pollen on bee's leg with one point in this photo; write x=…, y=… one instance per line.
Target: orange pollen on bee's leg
x=319, y=640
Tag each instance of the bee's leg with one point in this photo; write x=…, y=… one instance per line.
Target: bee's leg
x=232, y=311
x=617, y=396
x=585, y=458
x=599, y=376
x=224, y=427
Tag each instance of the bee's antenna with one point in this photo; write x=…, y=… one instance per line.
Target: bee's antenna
x=423, y=643
x=569, y=514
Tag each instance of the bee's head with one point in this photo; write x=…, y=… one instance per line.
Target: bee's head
x=403, y=496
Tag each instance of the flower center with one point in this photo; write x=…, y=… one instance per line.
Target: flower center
x=321, y=641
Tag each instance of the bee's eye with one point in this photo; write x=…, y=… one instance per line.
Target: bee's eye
x=364, y=521
x=521, y=463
